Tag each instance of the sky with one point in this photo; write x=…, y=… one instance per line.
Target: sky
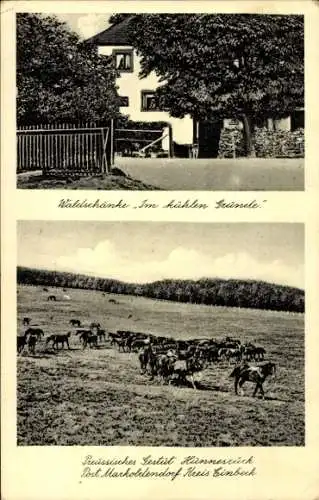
x=142, y=252
x=85, y=25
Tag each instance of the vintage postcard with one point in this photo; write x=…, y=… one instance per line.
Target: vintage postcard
x=160, y=250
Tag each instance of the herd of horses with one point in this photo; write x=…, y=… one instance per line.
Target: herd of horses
x=173, y=362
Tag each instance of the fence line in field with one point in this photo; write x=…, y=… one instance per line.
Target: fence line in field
x=67, y=148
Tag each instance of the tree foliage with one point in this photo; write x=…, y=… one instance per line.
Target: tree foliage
x=216, y=292
x=118, y=18
x=58, y=77
x=243, y=66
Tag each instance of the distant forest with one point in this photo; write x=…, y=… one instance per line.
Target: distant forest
x=213, y=292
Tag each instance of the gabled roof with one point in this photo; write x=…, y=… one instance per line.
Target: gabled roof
x=117, y=34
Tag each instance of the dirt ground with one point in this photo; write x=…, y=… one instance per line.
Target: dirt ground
x=186, y=174
x=35, y=180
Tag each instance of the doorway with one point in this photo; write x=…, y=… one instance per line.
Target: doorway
x=208, y=138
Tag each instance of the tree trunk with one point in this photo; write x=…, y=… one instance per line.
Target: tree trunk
x=249, y=146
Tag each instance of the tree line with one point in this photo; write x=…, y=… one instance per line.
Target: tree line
x=214, y=292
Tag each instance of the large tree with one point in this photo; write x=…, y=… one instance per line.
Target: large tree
x=241, y=66
x=58, y=77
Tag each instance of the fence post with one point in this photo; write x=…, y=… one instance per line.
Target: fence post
x=105, y=160
x=171, y=144
x=112, y=142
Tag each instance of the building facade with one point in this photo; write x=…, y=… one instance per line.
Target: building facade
x=138, y=95
x=140, y=103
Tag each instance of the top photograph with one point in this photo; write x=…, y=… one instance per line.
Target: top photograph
x=166, y=102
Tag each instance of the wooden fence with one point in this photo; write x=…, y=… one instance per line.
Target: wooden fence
x=65, y=149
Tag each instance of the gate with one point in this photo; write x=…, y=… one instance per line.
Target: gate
x=65, y=149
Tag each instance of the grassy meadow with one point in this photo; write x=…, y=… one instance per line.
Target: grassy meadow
x=98, y=396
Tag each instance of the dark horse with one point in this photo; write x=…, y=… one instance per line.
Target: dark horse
x=256, y=374
x=59, y=338
x=75, y=322
x=148, y=358
x=30, y=337
x=87, y=337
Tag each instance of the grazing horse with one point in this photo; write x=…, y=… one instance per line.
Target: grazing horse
x=21, y=342
x=212, y=354
x=75, y=322
x=129, y=341
x=139, y=344
x=113, y=337
x=50, y=338
x=35, y=331
x=147, y=357
x=32, y=340
x=88, y=338
x=232, y=340
x=222, y=352
x=259, y=353
x=62, y=339
x=121, y=343
x=186, y=369
x=58, y=338
x=32, y=336
x=101, y=335
x=234, y=354
x=165, y=365
x=84, y=336
x=143, y=357
x=52, y=297
x=248, y=351
x=255, y=374
x=97, y=331
x=95, y=325
x=92, y=340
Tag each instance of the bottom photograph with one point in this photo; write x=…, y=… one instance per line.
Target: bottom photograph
x=160, y=334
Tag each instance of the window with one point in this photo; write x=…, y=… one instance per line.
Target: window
x=150, y=102
x=123, y=60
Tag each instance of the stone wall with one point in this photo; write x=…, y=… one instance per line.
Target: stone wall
x=268, y=144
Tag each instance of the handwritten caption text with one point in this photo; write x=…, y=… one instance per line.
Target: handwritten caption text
x=166, y=467
x=149, y=204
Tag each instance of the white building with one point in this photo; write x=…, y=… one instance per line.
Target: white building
x=140, y=103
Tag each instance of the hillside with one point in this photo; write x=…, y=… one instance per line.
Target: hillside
x=207, y=291
x=99, y=397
